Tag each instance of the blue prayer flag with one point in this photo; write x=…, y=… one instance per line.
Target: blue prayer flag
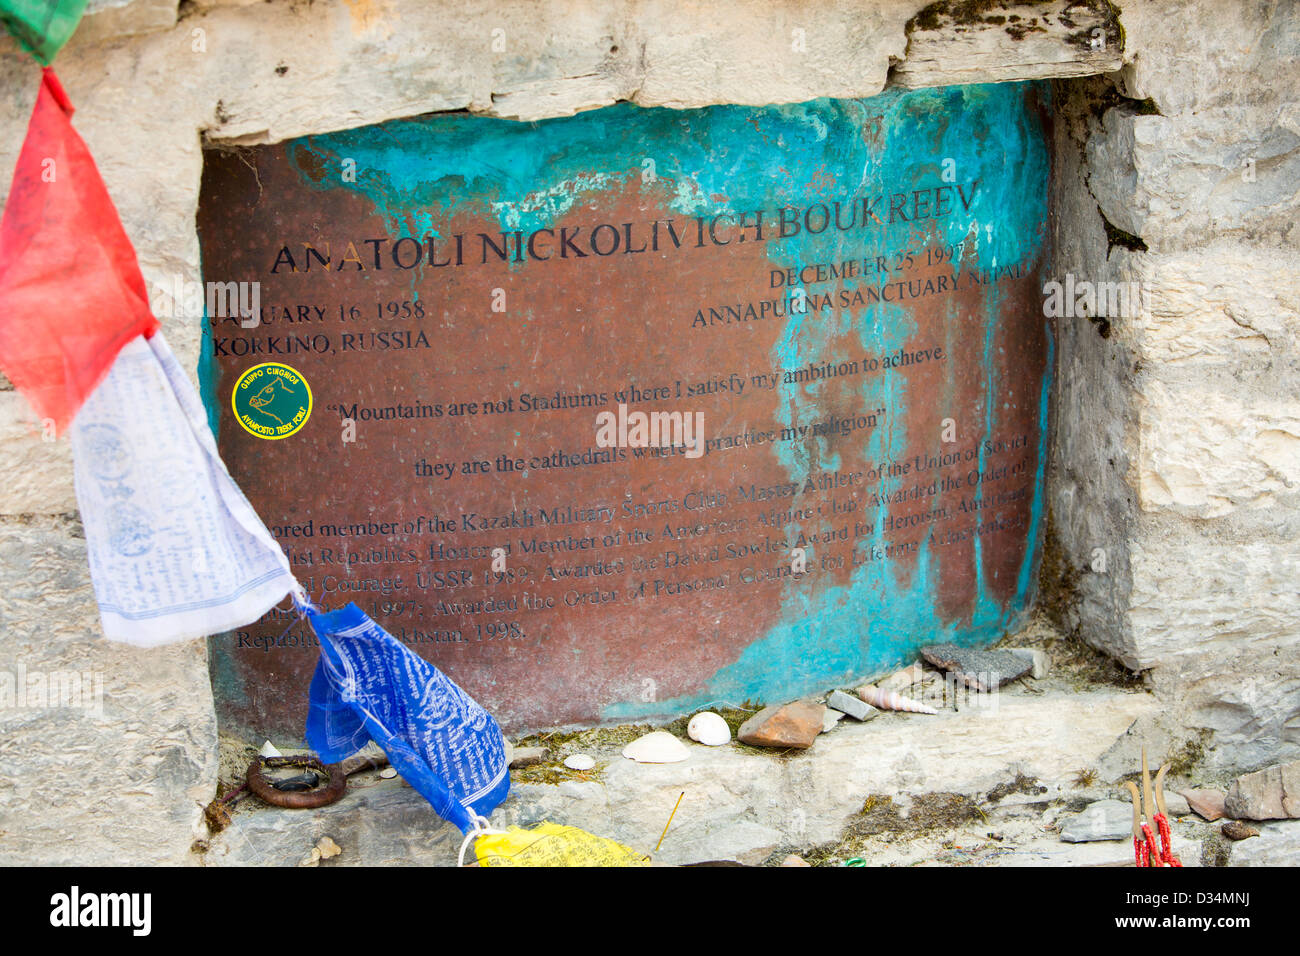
x=370, y=686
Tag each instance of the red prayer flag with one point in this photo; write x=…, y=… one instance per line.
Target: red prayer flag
x=71, y=292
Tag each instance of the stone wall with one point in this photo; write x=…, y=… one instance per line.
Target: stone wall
x=1177, y=433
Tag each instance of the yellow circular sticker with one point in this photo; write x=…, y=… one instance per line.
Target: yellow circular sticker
x=271, y=401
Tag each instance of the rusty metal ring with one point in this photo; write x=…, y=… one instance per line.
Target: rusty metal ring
x=301, y=800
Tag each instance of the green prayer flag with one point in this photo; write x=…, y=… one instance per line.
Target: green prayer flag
x=42, y=26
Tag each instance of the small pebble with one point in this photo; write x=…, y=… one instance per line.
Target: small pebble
x=388, y=773
x=527, y=757
x=1207, y=803
x=579, y=762
x=854, y=707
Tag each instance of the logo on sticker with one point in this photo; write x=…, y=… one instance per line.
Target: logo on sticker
x=272, y=401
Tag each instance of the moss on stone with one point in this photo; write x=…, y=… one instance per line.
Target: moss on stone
x=1190, y=754
x=561, y=743
x=734, y=716
x=1058, y=579
x=1116, y=236
x=1215, y=850
x=930, y=811
x=1018, y=31
x=967, y=13
x=554, y=773
x=1021, y=784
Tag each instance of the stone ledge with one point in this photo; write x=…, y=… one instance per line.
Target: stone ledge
x=740, y=804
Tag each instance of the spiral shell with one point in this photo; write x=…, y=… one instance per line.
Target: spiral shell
x=892, y=700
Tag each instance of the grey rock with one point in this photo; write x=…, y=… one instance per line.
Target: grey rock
x=1103, y=820
x=1176, y=804
x=112, y=19
x=977, y=667
x=855, y=708
x=527, y=757
x=1159, y=733
x=1271, y=794
x=295, y=784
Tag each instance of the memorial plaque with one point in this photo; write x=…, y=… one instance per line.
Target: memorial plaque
x=614, y=415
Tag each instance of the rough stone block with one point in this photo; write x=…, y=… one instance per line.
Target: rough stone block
x=1010, y=42
x=1227, y=304
x=1103, y=820
x=116, y=766
x=1205, y=453
x=37, y=469
x=1270, y=794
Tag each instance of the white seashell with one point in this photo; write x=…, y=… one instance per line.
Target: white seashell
x=579, y=762
x=892, y=700
x=657, y=747
x=268, y=750
x=388, y=773
x=709, y=729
